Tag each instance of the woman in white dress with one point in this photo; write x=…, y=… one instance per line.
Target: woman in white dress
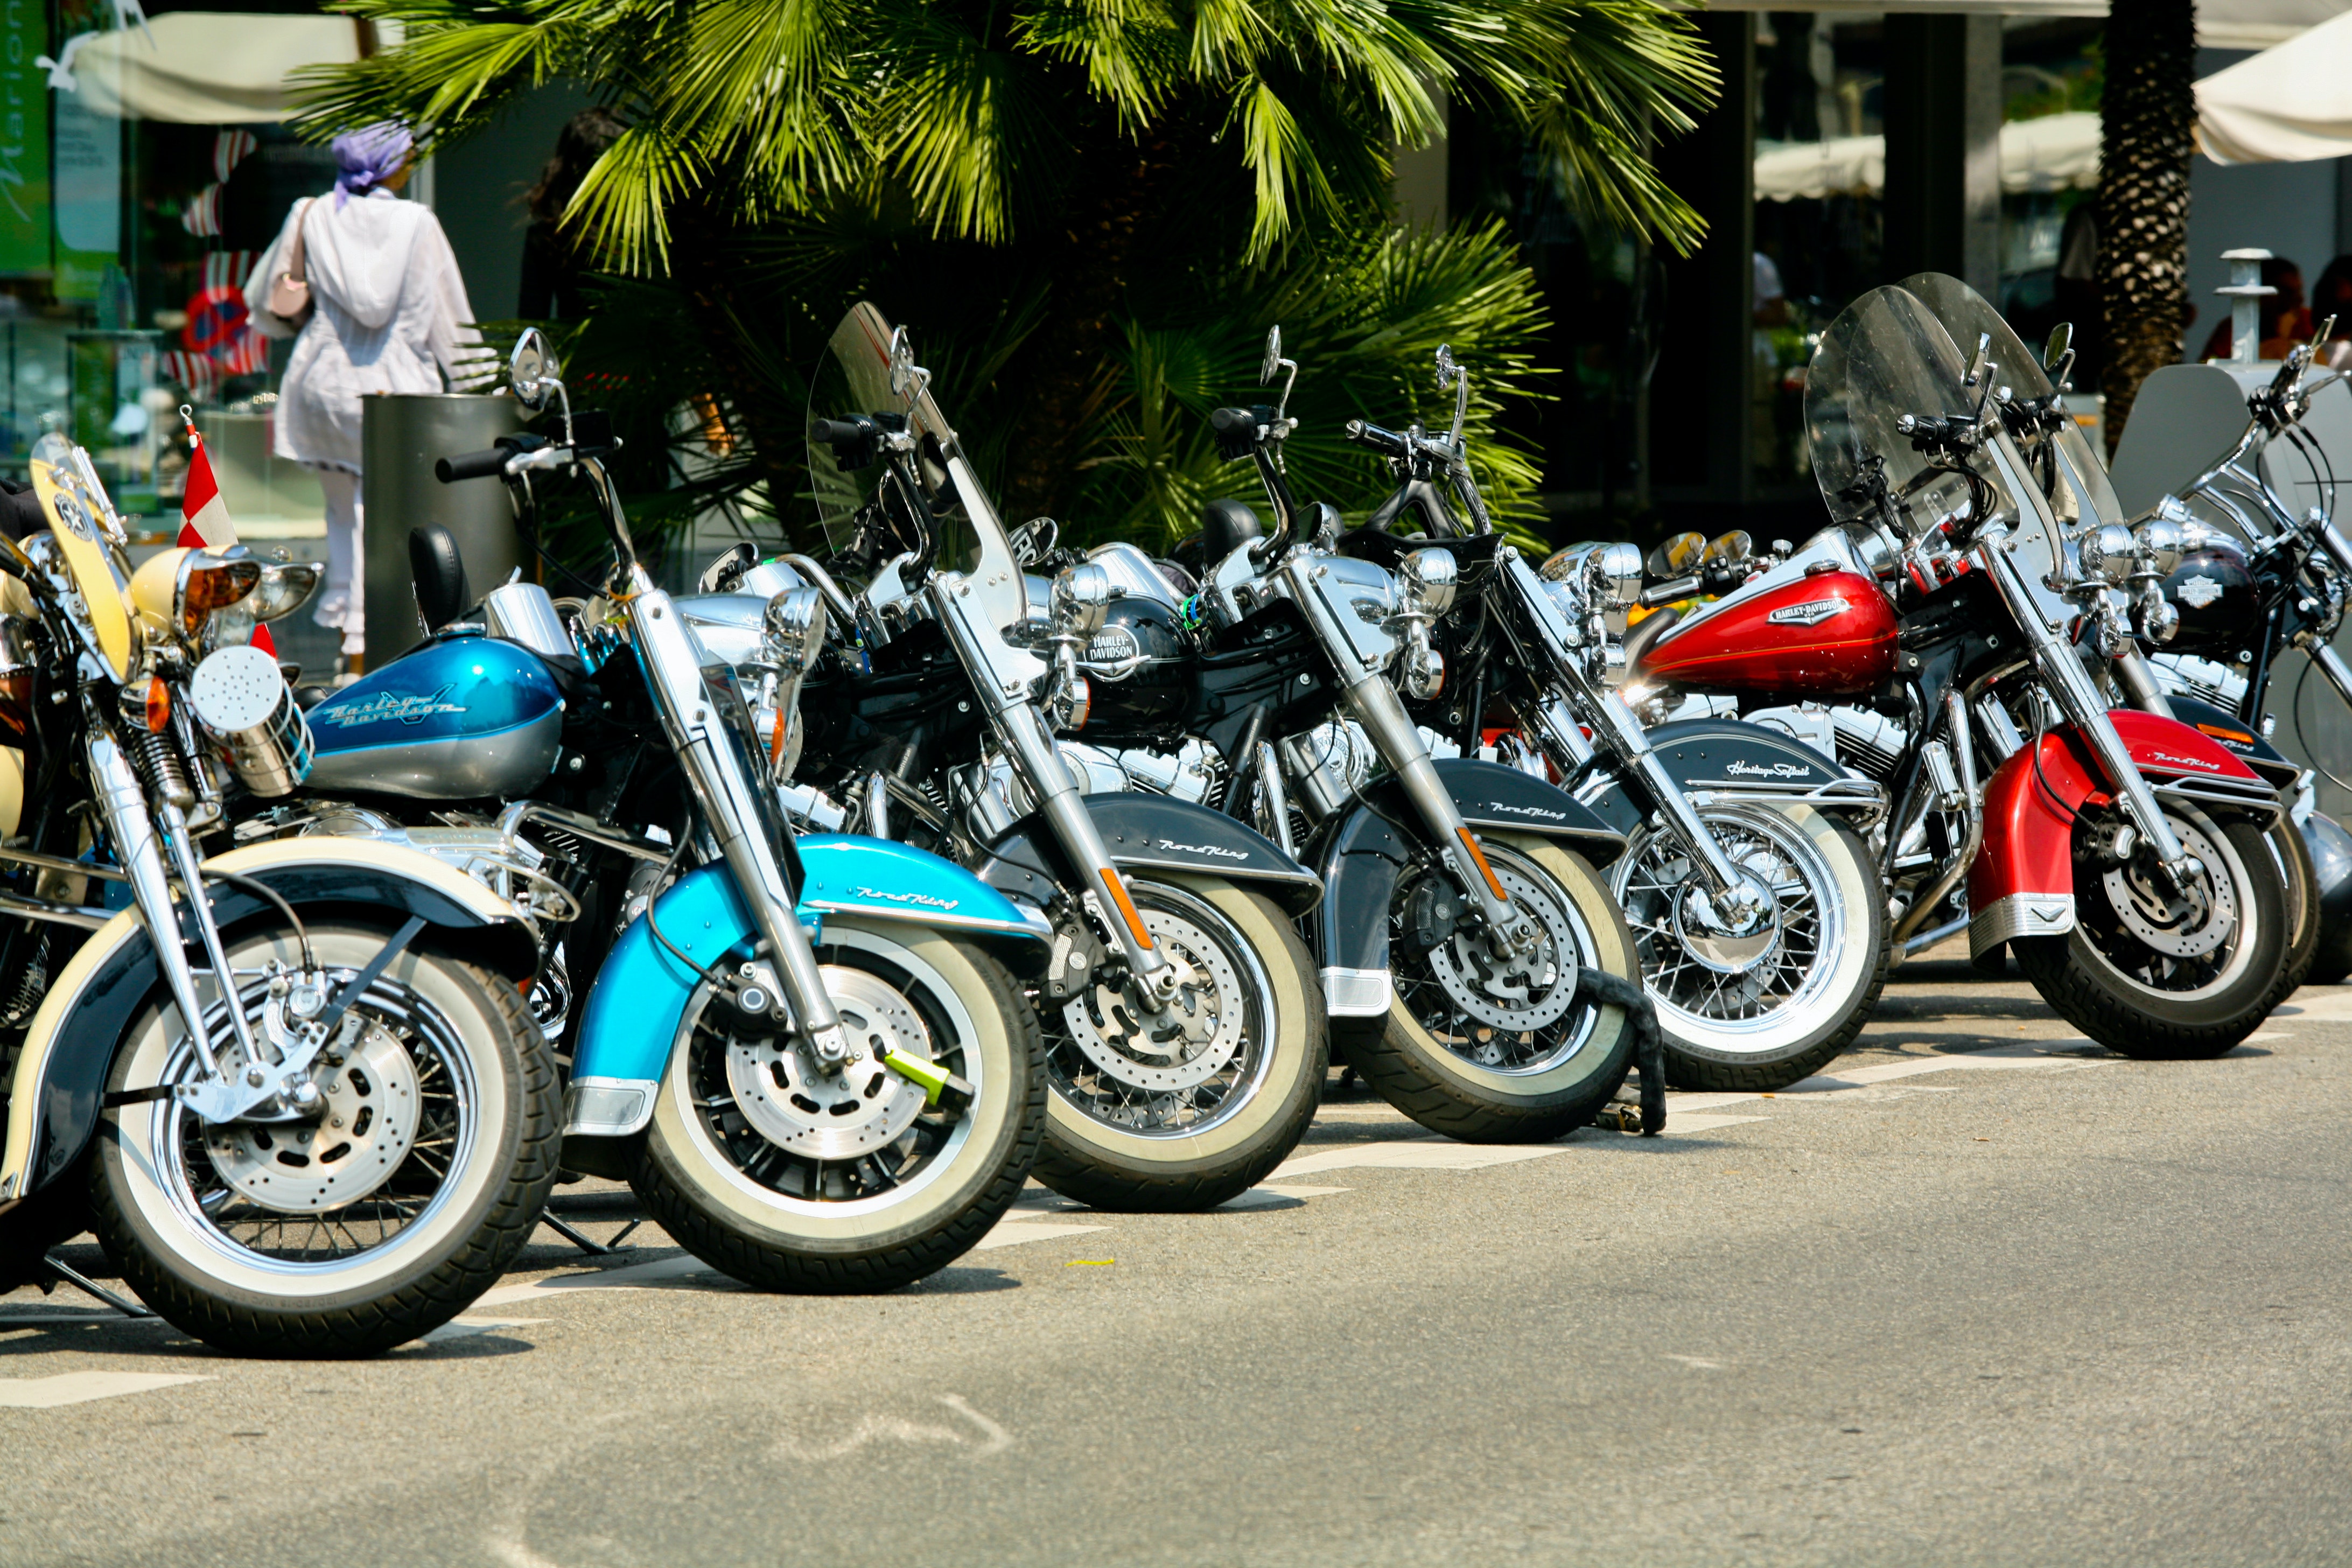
x=388, y=313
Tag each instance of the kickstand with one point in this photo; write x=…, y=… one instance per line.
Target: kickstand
x=80, y=1281
x=587, y=1243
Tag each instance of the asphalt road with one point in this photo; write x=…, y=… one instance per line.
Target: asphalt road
x=1989, y=1295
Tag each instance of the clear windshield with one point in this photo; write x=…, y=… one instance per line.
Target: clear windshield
x=854, y=378
x=2085, y=495
x=1885, y=356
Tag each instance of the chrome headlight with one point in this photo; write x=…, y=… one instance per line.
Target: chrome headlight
x=2106, y=553
x=1081, y=600
x=207, y=583
x=284, y=587
x=792, y=629
x=1428, y=578
x=2159, y=540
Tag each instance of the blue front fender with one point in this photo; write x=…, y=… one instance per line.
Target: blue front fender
x=640, y=994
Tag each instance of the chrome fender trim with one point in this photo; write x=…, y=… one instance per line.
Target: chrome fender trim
x=2019, y=914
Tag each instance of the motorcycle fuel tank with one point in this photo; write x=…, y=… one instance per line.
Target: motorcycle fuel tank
x=1829, y=634
x=460, y=718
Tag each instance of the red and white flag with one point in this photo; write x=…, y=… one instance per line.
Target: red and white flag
x=203, y=517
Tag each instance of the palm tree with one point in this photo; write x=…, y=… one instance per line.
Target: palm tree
x=1048, y=188
x=2149, y=120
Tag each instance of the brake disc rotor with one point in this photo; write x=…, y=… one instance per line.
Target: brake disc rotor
x=1520, y=994
x=2175, y=922
x=840, y=1115
x=364, y=1129
x=1176, y=1046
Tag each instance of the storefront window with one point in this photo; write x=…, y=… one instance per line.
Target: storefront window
x=1821, y=156
x=138, y=202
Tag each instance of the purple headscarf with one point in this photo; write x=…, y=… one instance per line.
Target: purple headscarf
x=366, y=159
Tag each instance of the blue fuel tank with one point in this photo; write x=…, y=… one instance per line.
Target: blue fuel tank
x=460, y=718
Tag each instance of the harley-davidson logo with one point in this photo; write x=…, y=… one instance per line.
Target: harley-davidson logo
x=386, y=706
x=1812, y=613
x=2197, y=592
x=1769, y=771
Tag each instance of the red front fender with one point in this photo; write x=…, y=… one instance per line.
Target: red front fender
x=2023, y=883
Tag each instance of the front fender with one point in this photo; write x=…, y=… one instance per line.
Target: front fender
x=632, y=1012
x=53, y=1097
x=1151, y=833
x=1361, y=858
x=2023, y=881
x=1725, y=760
x=1488, y=794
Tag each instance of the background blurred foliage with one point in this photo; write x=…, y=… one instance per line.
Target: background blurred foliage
x=1086, y=213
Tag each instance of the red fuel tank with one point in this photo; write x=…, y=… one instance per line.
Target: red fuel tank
x=1825, y=635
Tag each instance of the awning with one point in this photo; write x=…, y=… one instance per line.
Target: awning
x=2288, y=104
x=2220, y=24
x=2056, y=152
x=202, y=68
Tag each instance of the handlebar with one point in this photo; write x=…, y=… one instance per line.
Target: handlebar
x=1666, y=593
x=838, y=432
x=472, y=466
x=1388, y=443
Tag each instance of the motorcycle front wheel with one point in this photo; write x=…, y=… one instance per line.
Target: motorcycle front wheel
x=1490, y=1050
x=2154, y=972
x=1762, y=1009
x=1187, y=1106
x=357, y=1227
x=791, y=1177
x=2299, y=876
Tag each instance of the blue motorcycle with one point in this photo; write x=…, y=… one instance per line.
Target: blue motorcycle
x=808, y=1055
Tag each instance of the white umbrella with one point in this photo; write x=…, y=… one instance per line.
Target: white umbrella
x=2056, y=152
x=200, y=67
x=2288, y=104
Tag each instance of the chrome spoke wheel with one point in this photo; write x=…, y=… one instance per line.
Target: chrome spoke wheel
x=1729, y=985
x=395, y=1118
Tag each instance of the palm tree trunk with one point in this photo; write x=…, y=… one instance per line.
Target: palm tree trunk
x=2148, y=122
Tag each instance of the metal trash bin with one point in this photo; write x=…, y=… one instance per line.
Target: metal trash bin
x=401, y=435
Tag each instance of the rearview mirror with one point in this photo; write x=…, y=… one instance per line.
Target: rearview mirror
x=531, y=369
x=2061, y=344
x=1273, y=361
x=907, y=379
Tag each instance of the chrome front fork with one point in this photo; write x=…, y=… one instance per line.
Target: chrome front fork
x=713, y=770
x=123, y=802
x=1619, y=733
x=1000, y=680
x=2081, y=702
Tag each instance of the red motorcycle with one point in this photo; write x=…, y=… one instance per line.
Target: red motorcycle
x=2118, y=854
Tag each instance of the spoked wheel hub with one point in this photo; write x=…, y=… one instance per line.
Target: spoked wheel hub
x=842, y=1113
x=1725, y=932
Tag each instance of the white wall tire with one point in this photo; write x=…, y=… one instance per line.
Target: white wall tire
x=275, y=1296
x=1099, y=1163
x=691, y=1176
x=1408, y=1065
x=1825, y=990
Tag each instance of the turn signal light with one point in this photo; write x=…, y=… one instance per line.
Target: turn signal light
x=208, y=583
x=158, y=706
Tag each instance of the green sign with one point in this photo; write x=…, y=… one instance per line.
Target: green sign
x=24, y=138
